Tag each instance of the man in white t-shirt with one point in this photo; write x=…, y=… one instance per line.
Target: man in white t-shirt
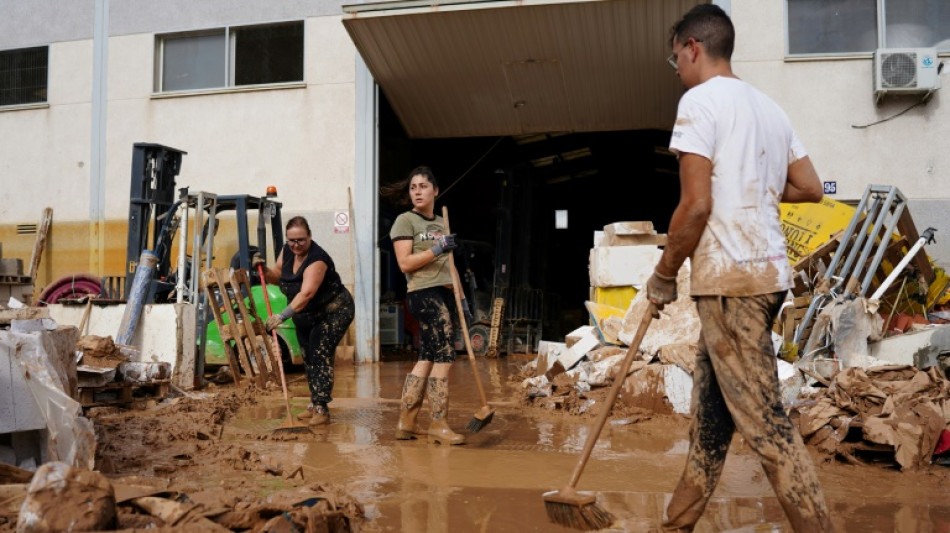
x=738, y=158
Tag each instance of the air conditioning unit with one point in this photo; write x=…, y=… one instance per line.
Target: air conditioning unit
x=905, y=71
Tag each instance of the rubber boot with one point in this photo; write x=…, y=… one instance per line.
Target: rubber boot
x=439, y=430
x=412, y=394
x=321, y=415
x=306, y=414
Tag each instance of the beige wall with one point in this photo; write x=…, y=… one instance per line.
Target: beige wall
x=301, y=139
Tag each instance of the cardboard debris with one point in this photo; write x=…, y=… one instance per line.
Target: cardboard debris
x=899, y=409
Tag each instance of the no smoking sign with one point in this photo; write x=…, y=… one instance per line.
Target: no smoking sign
x=341, y=222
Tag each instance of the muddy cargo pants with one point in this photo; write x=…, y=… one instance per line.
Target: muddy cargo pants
x=735, y=387
x=318, y=334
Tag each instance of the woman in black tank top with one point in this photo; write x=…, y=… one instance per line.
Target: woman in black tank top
x=320, y=306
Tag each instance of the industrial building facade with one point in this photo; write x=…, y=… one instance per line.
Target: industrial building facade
x=289, y=94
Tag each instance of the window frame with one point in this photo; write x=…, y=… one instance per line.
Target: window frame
x=880, y=30
x=230, y=45
x=38, y=104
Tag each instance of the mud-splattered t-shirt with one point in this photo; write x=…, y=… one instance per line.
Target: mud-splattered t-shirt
x=750, y=142
x=423, y=232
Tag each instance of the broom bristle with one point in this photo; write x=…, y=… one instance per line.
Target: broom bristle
x=476, y=424
x=584, y=517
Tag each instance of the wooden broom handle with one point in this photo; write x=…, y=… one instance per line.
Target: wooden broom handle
x=612, y=396
x=456, y=290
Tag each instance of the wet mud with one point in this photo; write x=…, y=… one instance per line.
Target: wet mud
x=223, y=448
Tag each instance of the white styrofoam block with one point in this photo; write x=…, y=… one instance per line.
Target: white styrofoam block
x=678, y=385
x=572, y=355
x=622, y=266
x=571, y=338
x=598, y=238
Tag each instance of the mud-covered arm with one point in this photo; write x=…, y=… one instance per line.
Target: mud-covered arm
x=691, y=214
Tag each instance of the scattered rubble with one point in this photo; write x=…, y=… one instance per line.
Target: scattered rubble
x=857, y=389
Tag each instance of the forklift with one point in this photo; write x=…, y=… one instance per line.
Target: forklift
x=156, y=218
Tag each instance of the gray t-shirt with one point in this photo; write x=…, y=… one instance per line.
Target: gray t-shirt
x=423, y=232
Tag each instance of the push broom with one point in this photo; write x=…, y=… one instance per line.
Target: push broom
x=289, y=426
x=485, y=413
x=579, y=510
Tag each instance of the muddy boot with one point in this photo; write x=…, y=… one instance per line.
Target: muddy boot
x=439, y=431
x=306, y=414
x=321, y=416
x=412, y=394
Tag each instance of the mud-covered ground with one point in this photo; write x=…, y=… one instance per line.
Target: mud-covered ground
x=220, y=448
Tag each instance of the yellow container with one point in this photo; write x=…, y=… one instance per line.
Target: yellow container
x=613, y=296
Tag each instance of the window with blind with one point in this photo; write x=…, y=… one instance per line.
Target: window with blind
x=24, y=76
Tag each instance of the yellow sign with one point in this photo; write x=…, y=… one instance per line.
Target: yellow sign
x=808, y=226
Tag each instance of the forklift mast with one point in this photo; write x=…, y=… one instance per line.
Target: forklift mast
x=151, y=201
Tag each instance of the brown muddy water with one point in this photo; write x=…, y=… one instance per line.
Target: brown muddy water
x=494, y=483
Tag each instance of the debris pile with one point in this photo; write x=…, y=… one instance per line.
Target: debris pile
x=108, y=374
x=61, y=498
x=894, y=412
x=865, y=358
x=573, y=375
x=145, y=478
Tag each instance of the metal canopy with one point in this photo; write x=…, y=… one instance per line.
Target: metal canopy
x=473, y=68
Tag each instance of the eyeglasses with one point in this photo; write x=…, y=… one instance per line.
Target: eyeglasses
x=297, y=242
x=672, y=58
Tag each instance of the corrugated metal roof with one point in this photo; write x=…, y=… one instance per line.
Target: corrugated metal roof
x=504, y=68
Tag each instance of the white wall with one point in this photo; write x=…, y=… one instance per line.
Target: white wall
x=824, y=98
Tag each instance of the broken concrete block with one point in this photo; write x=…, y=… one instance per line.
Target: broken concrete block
x=11, y=267
x=548, y=352
x=622, y=266
x=571, y=338
x=572, y=355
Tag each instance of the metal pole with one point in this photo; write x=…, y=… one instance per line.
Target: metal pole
x=97, y=156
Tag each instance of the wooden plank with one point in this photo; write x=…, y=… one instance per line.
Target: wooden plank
x=40, y=244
